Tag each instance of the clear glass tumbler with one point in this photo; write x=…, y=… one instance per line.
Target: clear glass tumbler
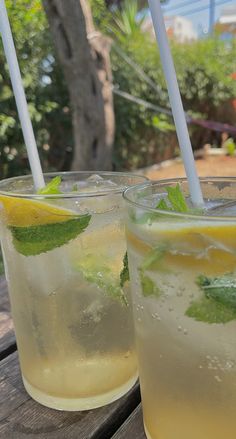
x=183, y=281
x=65, y=263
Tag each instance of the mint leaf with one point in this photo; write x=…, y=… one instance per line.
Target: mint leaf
x=162, y=205
x=176, y=199
x=153, y=257
x=124, y=274
x=95, y=269
x=75, y=188
x=149, y=288
x=218, y=305
x=51, y=188
x=209, y=311
x=34, y=240
x=221, y=289
x=150, y=262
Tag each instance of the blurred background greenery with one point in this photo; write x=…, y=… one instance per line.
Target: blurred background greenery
x=143, y=136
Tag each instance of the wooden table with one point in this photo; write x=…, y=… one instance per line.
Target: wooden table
x=21, y=417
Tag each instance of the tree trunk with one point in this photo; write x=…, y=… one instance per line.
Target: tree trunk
x=84, y=57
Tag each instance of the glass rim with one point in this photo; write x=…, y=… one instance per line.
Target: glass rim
x=100, y=193
x=169, y=213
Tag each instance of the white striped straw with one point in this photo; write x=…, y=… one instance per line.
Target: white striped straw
x=176, y=102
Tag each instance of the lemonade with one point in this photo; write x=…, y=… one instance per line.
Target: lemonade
x=64, y=260
x=183, y=275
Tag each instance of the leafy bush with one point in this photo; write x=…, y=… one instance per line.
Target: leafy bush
x=203, y=68
x=45, y=90
x=143, y=136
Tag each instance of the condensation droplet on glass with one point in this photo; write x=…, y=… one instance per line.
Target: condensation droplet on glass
x=179, y=328
x=156, y=316
x=185, y=332
x=218, y=379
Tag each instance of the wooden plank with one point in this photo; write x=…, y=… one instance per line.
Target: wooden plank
x=7, y=335
x=4, y=298
x=21, y=417
x=133, y=427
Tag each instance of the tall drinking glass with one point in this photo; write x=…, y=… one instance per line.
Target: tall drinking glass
x=65, y=262
x=183, y=280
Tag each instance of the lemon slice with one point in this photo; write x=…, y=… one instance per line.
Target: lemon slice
x=38, y=227
x=28, y=212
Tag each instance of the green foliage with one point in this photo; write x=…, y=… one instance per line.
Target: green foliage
x=45, y=90
x=143, y=137
x=140, y=133
x=204, y=70
x=126, y=24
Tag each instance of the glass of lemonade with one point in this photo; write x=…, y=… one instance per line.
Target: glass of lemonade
x=65, y=261
x=182, y=265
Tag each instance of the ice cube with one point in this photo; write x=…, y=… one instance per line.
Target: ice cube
x=96, y=183
x=95, y=178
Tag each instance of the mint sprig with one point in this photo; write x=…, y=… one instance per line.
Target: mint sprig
x=151, y=262
x=218, y=304
x=95, y=269
x=210, y=311
x=37, y=239
x=222, y=289
x=175, y=200
x=148, y=286
x=153, y=258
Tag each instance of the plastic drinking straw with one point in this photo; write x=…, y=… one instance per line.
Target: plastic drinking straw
x=20, y=98
x=176, y=102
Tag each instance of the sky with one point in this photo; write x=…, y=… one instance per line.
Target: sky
x=199, y=19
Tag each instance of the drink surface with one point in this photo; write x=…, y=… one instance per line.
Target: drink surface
x=183, y=274
x=72, y=316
